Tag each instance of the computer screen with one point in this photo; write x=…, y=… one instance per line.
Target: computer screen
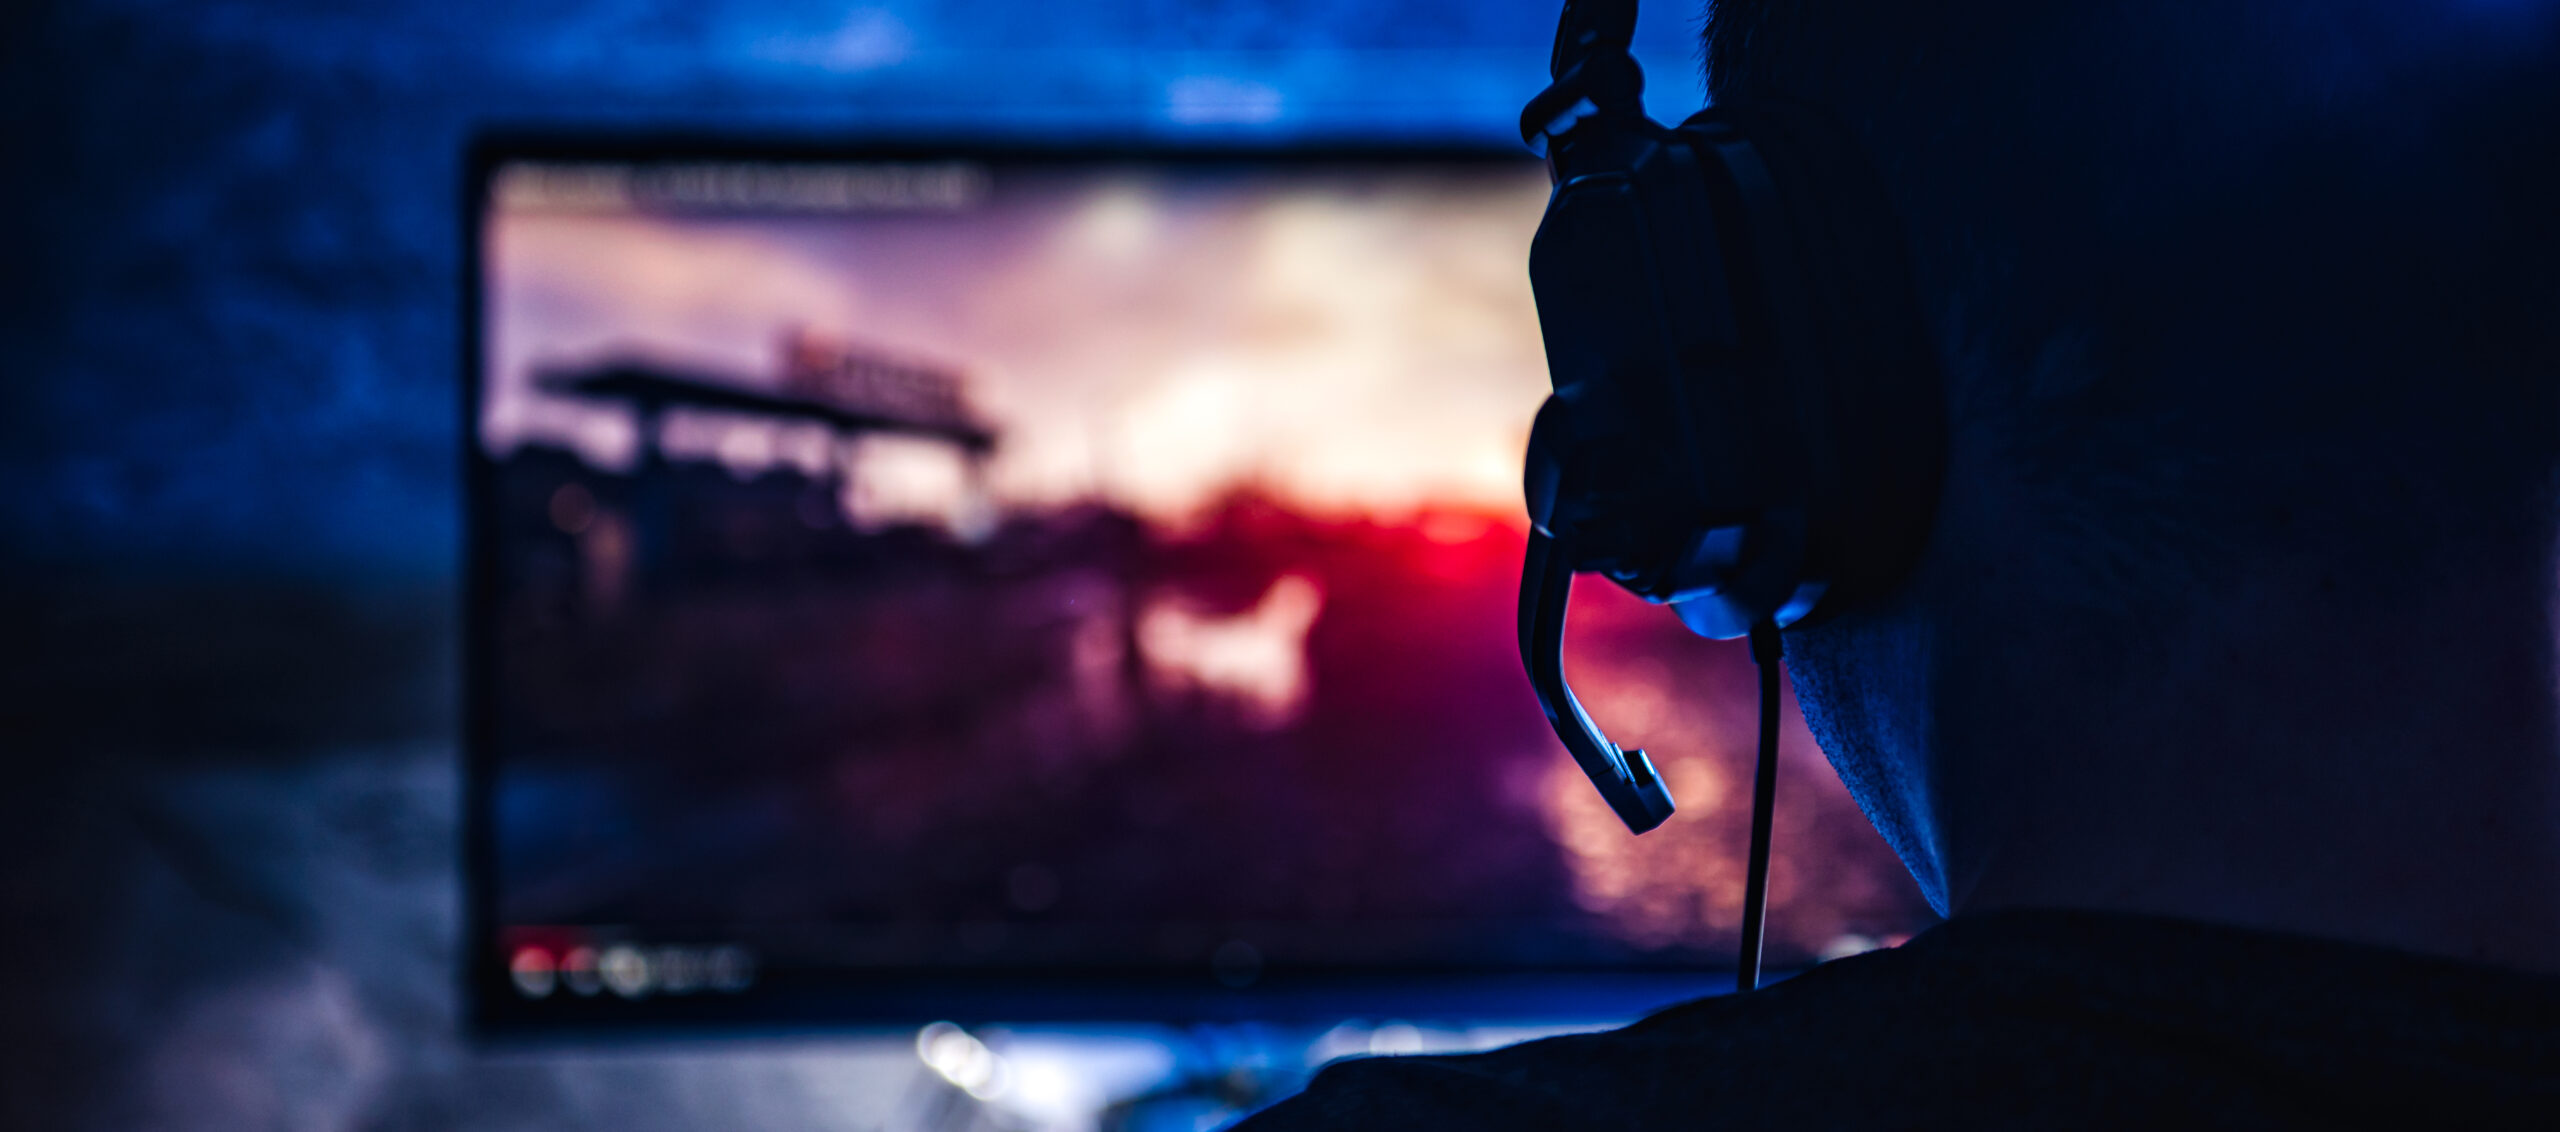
x=913, y=584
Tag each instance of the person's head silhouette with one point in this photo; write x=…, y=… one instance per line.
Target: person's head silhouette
x=2239, y=602
x=2218, y=712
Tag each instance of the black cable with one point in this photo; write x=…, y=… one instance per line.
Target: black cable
x=1764, y=796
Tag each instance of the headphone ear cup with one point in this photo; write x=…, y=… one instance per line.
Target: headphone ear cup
x=1592, y=481
x=1835, y=289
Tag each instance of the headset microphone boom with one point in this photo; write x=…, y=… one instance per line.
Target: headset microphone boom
x=1747, y=422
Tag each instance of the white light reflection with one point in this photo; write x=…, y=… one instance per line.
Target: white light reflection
x=965, y=1061
x=1055, y=1082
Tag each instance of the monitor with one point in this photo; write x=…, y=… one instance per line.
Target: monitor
x=947, y=582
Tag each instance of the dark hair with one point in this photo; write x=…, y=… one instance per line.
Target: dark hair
x=1730, y=29
x=2198, y=280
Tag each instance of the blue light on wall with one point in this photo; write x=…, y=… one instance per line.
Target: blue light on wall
x=236, y=348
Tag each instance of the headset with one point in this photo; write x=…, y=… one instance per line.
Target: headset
x=1748, y=424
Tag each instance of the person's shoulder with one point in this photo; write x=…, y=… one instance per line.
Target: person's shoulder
x=1732, y=1055
x=2028, y=1019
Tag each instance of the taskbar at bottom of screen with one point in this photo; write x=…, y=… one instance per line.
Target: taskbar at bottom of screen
x=567, y=981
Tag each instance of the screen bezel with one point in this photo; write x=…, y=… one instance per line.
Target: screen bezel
x=887, y=999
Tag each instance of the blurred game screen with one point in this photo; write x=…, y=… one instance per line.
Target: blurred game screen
x=919, y=585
